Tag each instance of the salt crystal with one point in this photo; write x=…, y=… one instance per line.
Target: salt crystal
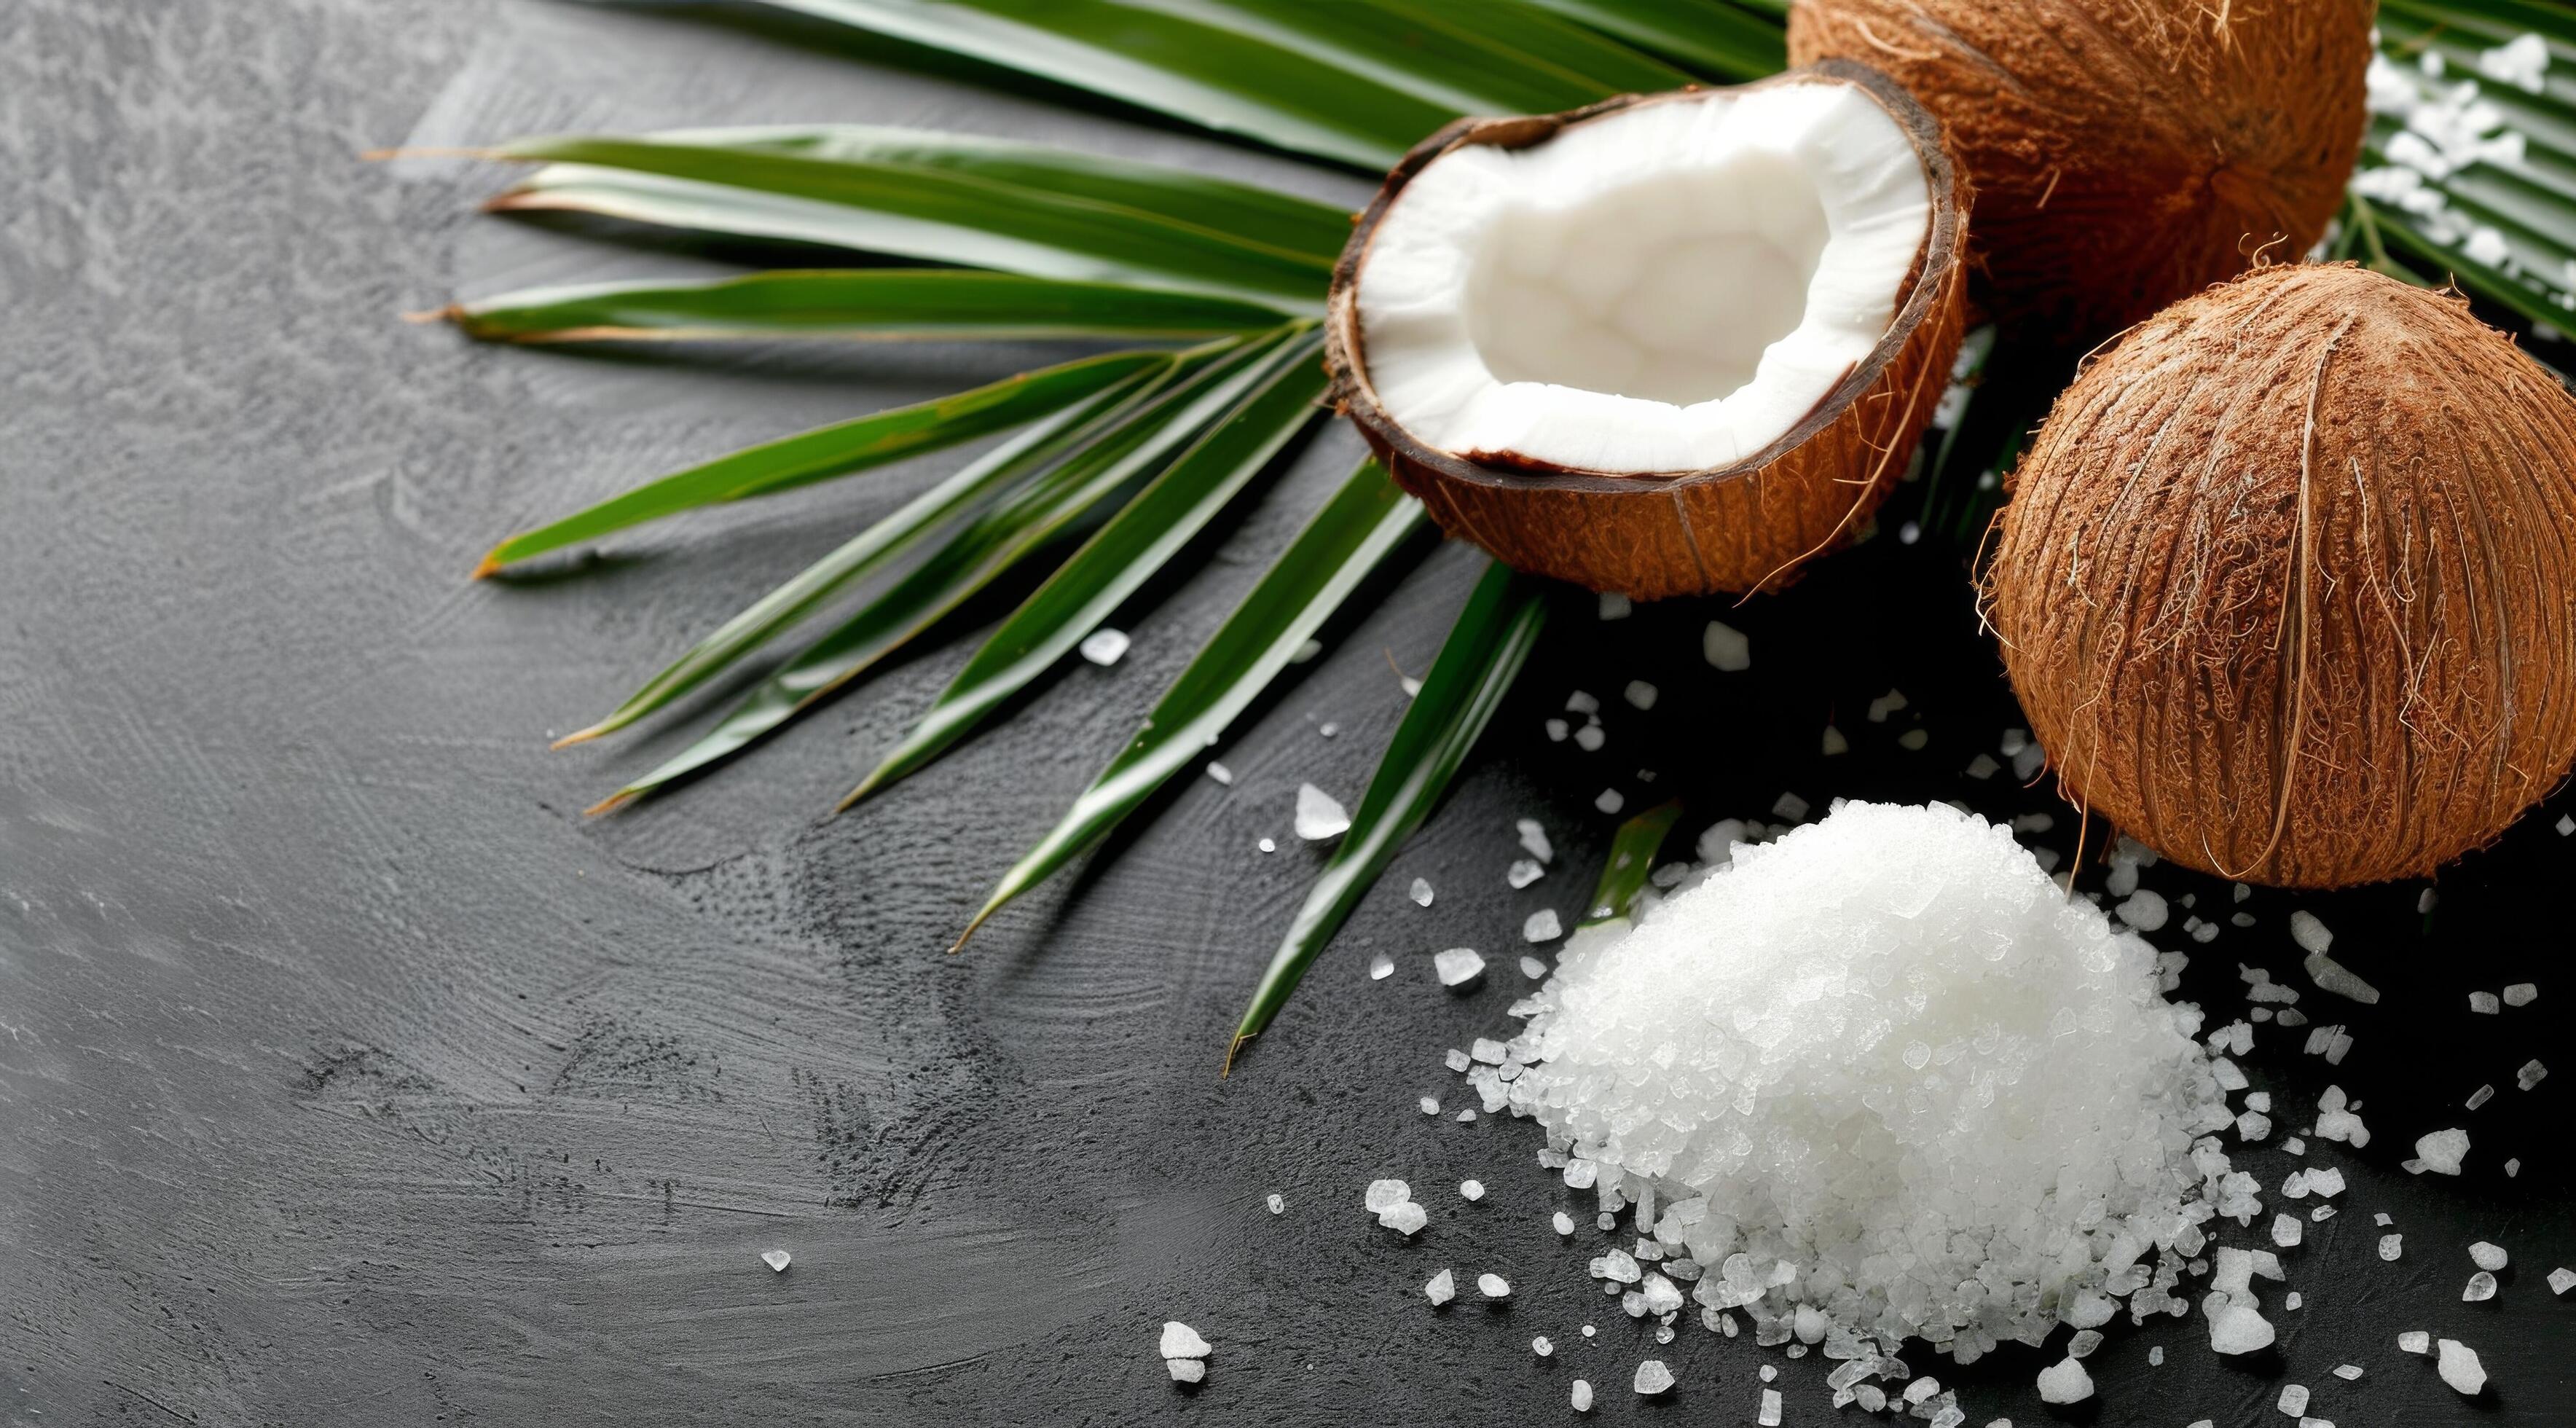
x=2156, y=1356
x=2326, y=1180
x=1456, y=1060
x=2460, y=1368
x=1725, y=646
x=2310, y=934
x=1471, y=1189
x=1186, y=1370
x=1914, y=740
x=1103, y=646
x=1789, y=806
x=1885, y=705
x=1180, y=1341
x=1770, y=1415
x=1834, y=742
x=1653, y=1377
x=2415, y=1341
x=1610, y=800
x=1523, y=872
x=1589, y=738
x=1404, y=1219
x=1277, y=1205
x=1442, y=1288
x=1381, y=967
x=2485, y=1002
x=1639, y=694
x=1267, y=846
x=2290, y=1301
x=777, y=1260
x=1542, y=926
x=2481, y=1287
x=2347, y=1372
x=2082, y=1345
x=2561, y=1280
x=1542, y=1346
x=2391, y=1246
x=2144, y=910
x=1582, y=1396
x=1557, y=729
x=2332, y=976
x=1983, y=766
x=2442, y=1151
x=2293, y=1400
x=1615, y=607
x=2286, y=1230
x=1563, y=1222
x=2530, y=1074
x=2237, y=1329
x=1493, y=1286
x=2521, y=994
x=1422, y=892
x=1318, y=816
x=1385, y=1194
x=2486, y=1254
x=1220, y=772
x=1458, y=966
x=2512, y=1166
x=1534, y=840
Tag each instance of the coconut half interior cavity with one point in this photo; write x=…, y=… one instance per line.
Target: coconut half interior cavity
x=1666, y=286
x=1668, y=344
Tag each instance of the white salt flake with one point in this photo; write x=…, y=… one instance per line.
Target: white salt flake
x=1582, y=1395
x=1180, y=1341
x=2521, y=994
x=1471, y=1189
x=1589, y=738
x=1104, y=647
x=2442, y=1151
x=1563, y=1222
x=1534, y=969
x=1430, y=1105
x=2238, y=1329
x=2391, y=1247
x=2065, y=1382
x=1615, y=607
x=2348, y=1372
x=1381, y=967
x=1610, y=801
x=1557, y=729
x=1653, y=1378
x=2486, y=1003
x=2144, y=910
x=1267, y=846
x=2415, y=1341
x=1542, y=926
x=1306, y=651
x=2332, y=976
x=2486, y=1254
x=1769, y=1416
x=2310, y=934
x=777, y=1260
x=1834, y=742
x=1277, y=1204
x=1534, y=840
x=1542, y=1346
x=2293, y=1400
x=1220, y=772
x=2460, y=1368
x=1385, y=1194
x=1493, y=1286
x=1186, y=1370
x=1914, y=740
x=1458, y=966
x=1442, y=1288
x=1639, y=694
x=2481, y=1287
x=1421, y=892
x=2286, y=1230
x=1523, y=872
x=2562, y=1279
x=1983, y=766
x=1725, y=646
x=1318, y=815
x=1886, y=704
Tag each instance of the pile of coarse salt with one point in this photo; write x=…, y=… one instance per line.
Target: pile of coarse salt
x=1880, y=1079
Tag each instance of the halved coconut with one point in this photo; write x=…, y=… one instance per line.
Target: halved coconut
x=1664, y=345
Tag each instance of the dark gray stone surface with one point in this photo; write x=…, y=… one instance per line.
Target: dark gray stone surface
x=349, y=1076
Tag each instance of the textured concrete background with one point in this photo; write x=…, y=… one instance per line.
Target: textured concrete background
x=348, y=1076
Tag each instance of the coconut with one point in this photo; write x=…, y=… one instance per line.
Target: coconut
x=2126, y=153
x=2288, y=581
x=1666, y=344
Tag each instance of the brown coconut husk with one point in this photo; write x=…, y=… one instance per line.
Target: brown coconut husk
x=1734, y=528
x=2126, y=153
x=2288, y=581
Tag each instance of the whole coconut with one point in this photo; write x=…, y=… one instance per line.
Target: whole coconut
x=2288, y=581
x=2125, y=153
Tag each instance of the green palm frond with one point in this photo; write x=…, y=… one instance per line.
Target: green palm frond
x=1113, y=465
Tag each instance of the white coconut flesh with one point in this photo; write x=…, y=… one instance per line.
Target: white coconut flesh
x=1664, y=288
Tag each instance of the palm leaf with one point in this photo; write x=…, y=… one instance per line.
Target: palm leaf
x=832, y=186
x=1366, y=521
x=1466, y=684
x=834, y=451
x=1632, y=861
x=1714, y=39
x=1116, y=562
x=883, y=304
x=1018, y=460
x=1026, y=521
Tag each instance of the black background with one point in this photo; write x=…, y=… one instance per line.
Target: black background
x=347, y=1075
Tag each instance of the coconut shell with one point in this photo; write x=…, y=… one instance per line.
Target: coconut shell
x=1734, y=528
x=2126, y=153
x=2288, y=581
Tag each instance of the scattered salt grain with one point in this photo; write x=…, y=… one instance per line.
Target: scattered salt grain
x=2144, y=910
x=1610, y=801
x=2286, y=1230
x=2391, y=1246
x=1267, y=846
x=1422, y=892
x=1306, y=651
x=1318, y=816
x=1471, y=1189
x=2238, y=1329
x=1277, y=1205
x=1589, y=738
x=1383, y=1195
x=1180, y=1341
x=777, y=1260
x=1582, y=1395
x=1615, y=607
x=1725, y=646
x=2460, y=1368
x=2486, y=1254
x=2347, y=1372
x=2480, y=1097
x=2290, y=1301
x=1834, y=742
x=2481, y=1287
x=2562, y=1279
x=2530, y=1074
x=2293, y=1400
x=1103, y=647
x=1493, y=1286
x=1534, y=969
x=2156, y=1356
x=2442, y=1151
x=2415, y=1341
x=1542, y=926
x=1458, y=966
x=1186, y=1370
x=1639, y=694
x=1404, y=1219
x=1557, y=729
x=2333, y=976
x=1542, y=1346
x=2310, y=934
x=2486, y=1003
x=1983, y=766
x=1381, y=967
x=1914, y=740
x=1523, y=872
x=1534, y=840
x=1442, y=1288
x=1563, y=1222
x=1885, y=705
x=1220, y=772
x=1653, y=1378
x=2065, y=1382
